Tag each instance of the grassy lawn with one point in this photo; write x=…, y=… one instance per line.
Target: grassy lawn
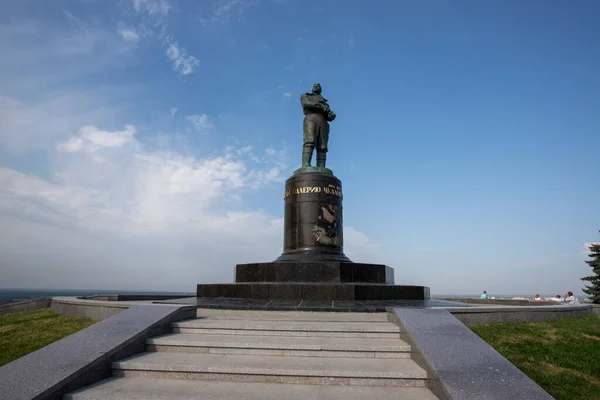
x=22, y=333
x=562, y=356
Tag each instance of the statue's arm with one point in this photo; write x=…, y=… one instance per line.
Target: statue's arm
x=309, y=104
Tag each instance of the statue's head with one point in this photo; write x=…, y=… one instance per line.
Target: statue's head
x=316, y=88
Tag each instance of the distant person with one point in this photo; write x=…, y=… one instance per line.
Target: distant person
x=556, y=298
x=484, y=295
x=538, y=297
x=569, y=298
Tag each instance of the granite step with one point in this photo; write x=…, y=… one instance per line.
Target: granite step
x=288, y=328
x=269, y=369
x=280, y=345
x=161, y=389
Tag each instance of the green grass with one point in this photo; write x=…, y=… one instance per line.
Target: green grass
x=562, y=356
x=24, y=332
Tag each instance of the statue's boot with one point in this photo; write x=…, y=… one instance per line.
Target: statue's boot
x=321, y=159
x=306, y=156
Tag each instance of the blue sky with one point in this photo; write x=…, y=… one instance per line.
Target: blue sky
x=144, y=143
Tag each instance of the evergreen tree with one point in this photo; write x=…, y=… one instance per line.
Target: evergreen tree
x=593, y=290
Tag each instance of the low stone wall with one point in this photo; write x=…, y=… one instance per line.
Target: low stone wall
x=487, y=315
x=26, y=305
x=101, y=297
x=101, y=307
x=94, y=309
x=136, y=297
x=505, y=302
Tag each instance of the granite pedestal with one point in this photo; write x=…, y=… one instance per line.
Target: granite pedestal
x=313, y=265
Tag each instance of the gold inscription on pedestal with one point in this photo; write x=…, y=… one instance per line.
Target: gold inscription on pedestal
x=330, y=189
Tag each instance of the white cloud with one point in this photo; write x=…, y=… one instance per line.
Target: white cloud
x=143, y=211
x=129, y=35
x=182, y=63
x=154, y=21
x=201, y=122
x=152, y=7
x=286, y=95
x=224, y=11
x=139, y=191
x=91, y=139
x=173, y=111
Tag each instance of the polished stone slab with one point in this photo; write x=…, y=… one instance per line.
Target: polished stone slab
x=314, y=271
x=313, y=291
x=309, y=305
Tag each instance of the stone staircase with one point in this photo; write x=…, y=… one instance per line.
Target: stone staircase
x=257, y=355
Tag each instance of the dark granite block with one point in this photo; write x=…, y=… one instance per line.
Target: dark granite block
x=259, y=291
x=268, y=274
x=318, y=292
x=367, y=292
x=369, y=273
x=207, y=291
x=313, y=291
x=285, y=291
x=249, y=272
x=326, y=272
x=285, y=273
x=305, y=271
x=344, y=292
x=407, y=292
x=346, y=272
x=314, y=271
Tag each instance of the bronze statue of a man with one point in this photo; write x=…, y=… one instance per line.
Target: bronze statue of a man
x=316, y=125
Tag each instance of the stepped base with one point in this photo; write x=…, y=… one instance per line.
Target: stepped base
x=312, y=291
x=314, y=271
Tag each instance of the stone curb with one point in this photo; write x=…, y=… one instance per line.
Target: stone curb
x=461, y=365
